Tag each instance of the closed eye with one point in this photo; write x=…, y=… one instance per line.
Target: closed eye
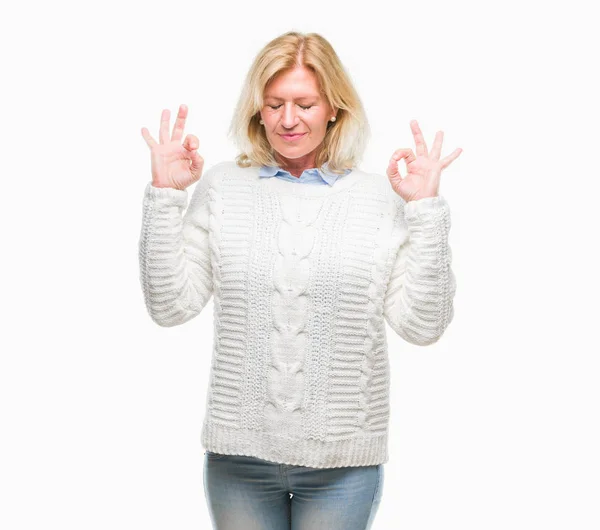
x=301, y=106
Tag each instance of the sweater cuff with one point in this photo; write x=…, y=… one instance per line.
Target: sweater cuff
x=423, y=209
x=171, y=195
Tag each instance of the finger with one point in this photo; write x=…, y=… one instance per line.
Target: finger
x=436, y=149
x=149, y=140
x=197, y=162
x=451, y=157
x=163, y=135
x=419, y=140
x=191, y=142
x=392, y=170
x=406, y=153
x=179, y=123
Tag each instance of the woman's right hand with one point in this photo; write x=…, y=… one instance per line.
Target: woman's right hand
x=174, y=165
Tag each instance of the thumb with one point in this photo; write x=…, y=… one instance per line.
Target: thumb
x=197, y=162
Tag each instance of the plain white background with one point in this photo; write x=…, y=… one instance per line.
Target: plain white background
x=494, y=427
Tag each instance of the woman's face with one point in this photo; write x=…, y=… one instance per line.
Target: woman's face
x=293, y=104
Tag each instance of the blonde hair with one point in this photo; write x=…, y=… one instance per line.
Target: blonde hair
x=345, y=139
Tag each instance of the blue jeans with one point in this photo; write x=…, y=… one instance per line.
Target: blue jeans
x=248, y=493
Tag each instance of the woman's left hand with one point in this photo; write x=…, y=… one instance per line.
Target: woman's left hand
x=424, y=170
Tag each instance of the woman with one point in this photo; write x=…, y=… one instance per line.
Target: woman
x=306, y=256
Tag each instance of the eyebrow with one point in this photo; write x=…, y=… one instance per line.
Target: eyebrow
x=295, y=99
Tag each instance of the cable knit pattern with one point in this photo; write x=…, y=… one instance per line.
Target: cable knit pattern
x=295, y=242
x=304, y=279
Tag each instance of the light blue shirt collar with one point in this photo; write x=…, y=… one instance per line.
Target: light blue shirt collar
x=323, y=172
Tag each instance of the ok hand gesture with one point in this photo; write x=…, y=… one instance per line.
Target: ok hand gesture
x=174, y=164
x=424, y=170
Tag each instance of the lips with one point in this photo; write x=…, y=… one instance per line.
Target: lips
x=292, y=136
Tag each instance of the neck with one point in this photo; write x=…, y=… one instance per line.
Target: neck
x=296, y=166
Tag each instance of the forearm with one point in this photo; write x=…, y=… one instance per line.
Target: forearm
x=419, y=299
x=174, y=257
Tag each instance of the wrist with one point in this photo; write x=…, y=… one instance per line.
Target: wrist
x=419, y=197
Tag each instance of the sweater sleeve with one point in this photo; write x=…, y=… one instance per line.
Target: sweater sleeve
x=174, y=253
x=419, y=296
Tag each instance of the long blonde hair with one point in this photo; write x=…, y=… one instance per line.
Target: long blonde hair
x=345, y=139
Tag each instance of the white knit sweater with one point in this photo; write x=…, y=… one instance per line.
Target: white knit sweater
x=303, y=278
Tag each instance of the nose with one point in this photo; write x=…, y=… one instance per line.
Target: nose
x=289, y=119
